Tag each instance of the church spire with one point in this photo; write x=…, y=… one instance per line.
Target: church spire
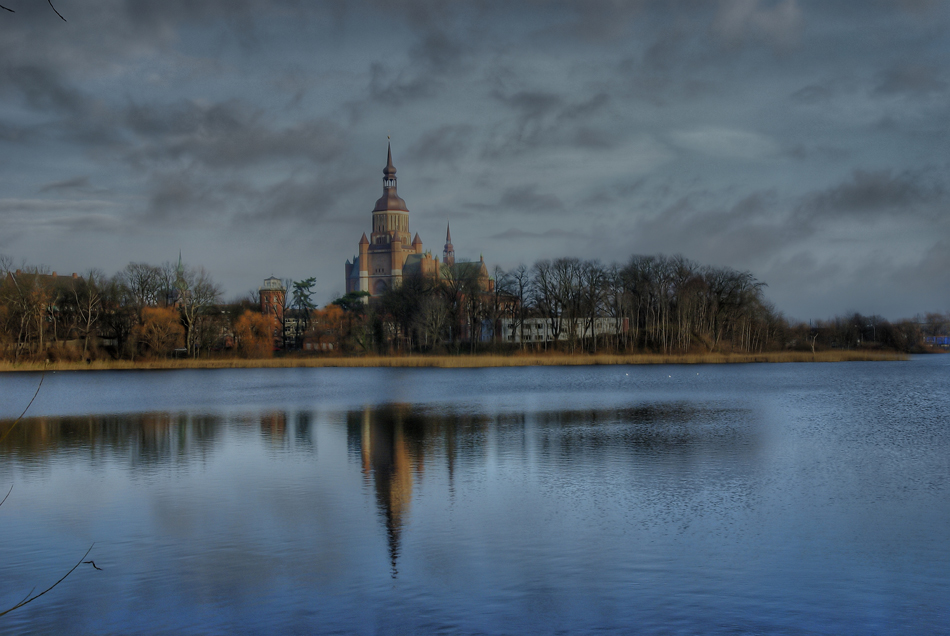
x=389, y=172
x=448, y=254
x=390, y=200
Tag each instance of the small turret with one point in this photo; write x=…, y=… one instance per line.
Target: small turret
x=448, y=254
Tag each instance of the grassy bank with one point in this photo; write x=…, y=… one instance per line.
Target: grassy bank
x=462, y=361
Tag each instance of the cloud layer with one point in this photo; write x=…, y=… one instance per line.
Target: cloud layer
x=802, y=140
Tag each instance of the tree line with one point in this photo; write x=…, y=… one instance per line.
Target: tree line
x=658, y=304
x=143, y=310
x=661, y=304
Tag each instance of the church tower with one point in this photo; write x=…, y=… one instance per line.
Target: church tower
x=383, y=257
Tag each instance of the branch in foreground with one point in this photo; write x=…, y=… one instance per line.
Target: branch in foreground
x=17, y=420
x=55, y=11
x=32, y=597
x=50, y=5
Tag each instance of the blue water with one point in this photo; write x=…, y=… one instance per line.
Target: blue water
x=741, y=499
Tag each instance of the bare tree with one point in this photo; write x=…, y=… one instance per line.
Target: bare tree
x=198, y=293
x=87, y=296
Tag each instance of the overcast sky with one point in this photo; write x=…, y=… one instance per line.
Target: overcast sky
x=805, y=141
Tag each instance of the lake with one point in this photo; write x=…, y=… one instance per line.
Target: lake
x=730, y=499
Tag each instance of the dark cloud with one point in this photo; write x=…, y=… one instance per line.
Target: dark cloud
x=801, y=152
x=10, y=133
x=515, y=234
x=37, y=206
x=227, y=134
x=437, y=52
x=812, y=94
x=873, y=193
x=776, y=23
x=445, y=144
x=184, y=196
x=910, y=79
x=76, y=183
x=308, y=199
x=548, y=119
x=527, y=199
x=42, y=88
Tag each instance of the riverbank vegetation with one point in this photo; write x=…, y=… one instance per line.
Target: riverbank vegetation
x=455, y=361
x=651, y=309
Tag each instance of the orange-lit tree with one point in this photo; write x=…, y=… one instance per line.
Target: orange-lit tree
x=159, y=332
x=254, y=334
x=326, y=328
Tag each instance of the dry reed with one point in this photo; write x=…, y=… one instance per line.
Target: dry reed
x=462, y=361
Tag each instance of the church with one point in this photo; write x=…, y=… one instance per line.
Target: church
x=388, y=255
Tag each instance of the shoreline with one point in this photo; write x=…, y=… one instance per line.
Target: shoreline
x=460, y=361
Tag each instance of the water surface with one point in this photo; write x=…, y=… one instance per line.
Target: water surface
x=796, y=498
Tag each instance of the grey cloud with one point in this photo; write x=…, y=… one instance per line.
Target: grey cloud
x=11, y=133
x=528, y=199
x=802, y=152
x=546, y=118
x=94, y=222
x=309, y=199
x=395, y=88
x=531, y=104
x=52, y=205
x=42, y=89
x=748, y=230
x=437, y=51
x=182, y=196
x=871, y=193
x=812, y=94
x=912, y=79
x=593, y=20
x=519, y=234
x=779, y=24
x=228, y=134
x=929, y=271
x=445, y=144
x=76, y=183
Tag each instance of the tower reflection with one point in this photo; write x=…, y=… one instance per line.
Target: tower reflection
x=391, y=454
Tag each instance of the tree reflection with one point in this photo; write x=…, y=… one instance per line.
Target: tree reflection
x=140, y=439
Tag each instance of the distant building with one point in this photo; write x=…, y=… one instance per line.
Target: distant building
x=273, y=293
x=538, y=329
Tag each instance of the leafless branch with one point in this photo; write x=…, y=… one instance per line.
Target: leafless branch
x=17, y=420
x=30, y=599
x=51, y=7
x=55, y=11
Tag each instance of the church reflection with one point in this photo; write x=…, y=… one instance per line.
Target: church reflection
x=391, y=453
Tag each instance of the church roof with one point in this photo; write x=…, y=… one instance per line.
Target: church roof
x=390, y=201
x=364, y=240
x=417, y=240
